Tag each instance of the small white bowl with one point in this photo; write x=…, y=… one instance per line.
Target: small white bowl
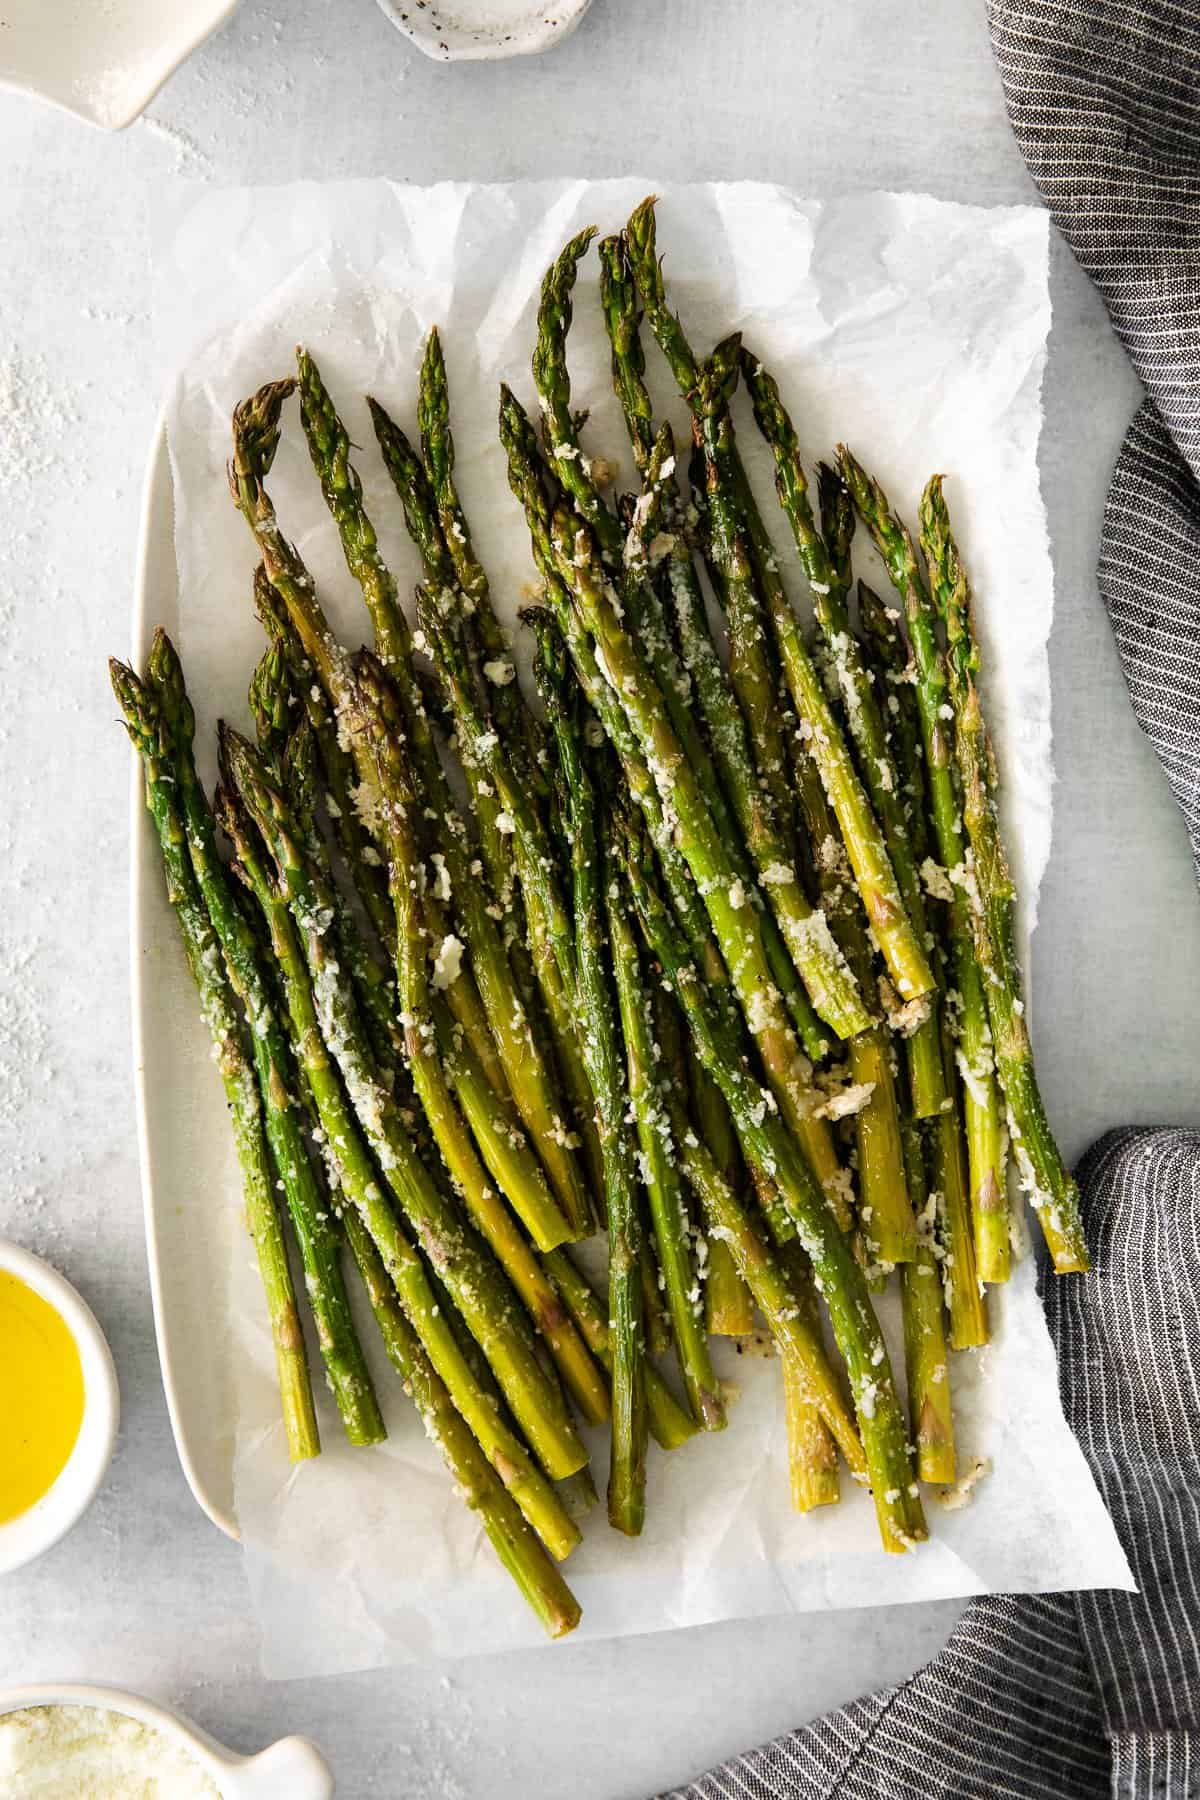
x=51, y=1517
x=292, y=1769
x=479, y=30
x=102, y=62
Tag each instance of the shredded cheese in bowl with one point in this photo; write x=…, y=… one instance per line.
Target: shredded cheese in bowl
x=90, y=1753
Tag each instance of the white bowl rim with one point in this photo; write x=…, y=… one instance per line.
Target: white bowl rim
x=221, y=1765
x=63, y=1505
x=456, y=40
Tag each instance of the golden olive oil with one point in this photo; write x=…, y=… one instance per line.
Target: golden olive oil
x=41, y=1396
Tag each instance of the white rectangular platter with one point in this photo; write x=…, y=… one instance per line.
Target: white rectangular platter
x=916, y=330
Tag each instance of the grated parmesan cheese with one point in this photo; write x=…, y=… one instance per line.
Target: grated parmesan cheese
x=90, y=1753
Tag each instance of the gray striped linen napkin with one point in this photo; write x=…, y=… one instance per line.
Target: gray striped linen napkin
x=1067, y=1696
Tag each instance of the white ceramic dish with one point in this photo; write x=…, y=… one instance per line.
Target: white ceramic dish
x=104, y=63
x=483, y=30
x=50, y=1518
x=187, y=1243
x=292, y=1769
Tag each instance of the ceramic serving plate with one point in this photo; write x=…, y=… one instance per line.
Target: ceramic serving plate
x=292, y=1769
x=102, y=62
x=184, y=1139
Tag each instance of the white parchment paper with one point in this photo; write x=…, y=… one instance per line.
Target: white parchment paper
x=913, y=329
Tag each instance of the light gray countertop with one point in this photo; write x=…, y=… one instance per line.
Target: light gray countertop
x=837, y=95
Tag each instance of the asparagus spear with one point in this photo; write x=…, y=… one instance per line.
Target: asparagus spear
x=424, y=528
x=943, y=1134
x=985, y=1138
x=602, y=1051
x=792, y=1323
x=337, y=765
x=670, y=1424
x=505, y=995
x=347, y=1148
x=885, y=1209
x=438, y=528
x=813, y=954
x=925, y=1358
x=513, y=719
x=622, y=318
x=255, y=441
x=515, y=1543
x=767, y=1143
x=630, y=560
x=346, y=1369
x=860, y=703
x=476, y=1283
x=202, y=949
x=708, y=391
x=550, y=377
x=256, y=435
x=289, y=747
x=752, y=665
x=518, y=1547
x=728, y=1307
x=742, y=803
x=1043, y=1174
x=565, y=549
x=660, y=1172
x=812, y=1451
x=519, y=1174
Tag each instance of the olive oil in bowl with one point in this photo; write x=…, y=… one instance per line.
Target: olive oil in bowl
x=41, y=1396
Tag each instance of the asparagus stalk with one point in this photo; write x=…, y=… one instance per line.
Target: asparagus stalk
x=660, y=1172
x=742, y=804
x=767, y=1144
x=438, y=528
x=493, y=654
x=504, y=995
x=810, y=949
x=792, y=1323
x=602, y=1051
x=925, y=1358
x=346, y=1369
x=630, y=560
x=565, y=548
x=752, y=665
x=256, y=433
x=288, y=744
x=670, y=1424
x=203, y=952
x=347, y=1148
x=885, y=1210
x=728, y=1307
x=944, y=1134
x=517, y=1546
x=708, y=391
x=552, y=381
x=255, y=441
x=860, y=703
x=985, y=1136
x=622, y=318
x=812, y=1452
x=424, y=528
x=337, y=765
x=425, y=1032
x=1043, y=1174
x=479, y=1288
